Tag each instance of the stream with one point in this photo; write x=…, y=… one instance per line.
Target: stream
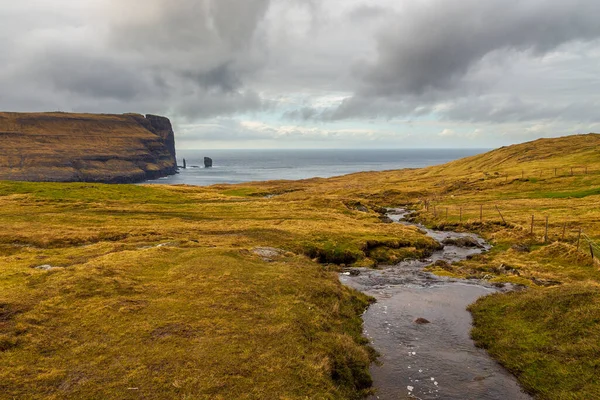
x=421, y=328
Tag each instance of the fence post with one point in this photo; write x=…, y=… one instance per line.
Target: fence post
x=579, y=238
x=446, y=213
x=554, y=171
x=571, y=171
x=546, y=234
x=592, y=251
x=586, y=169
x=503, y=220
x=461, y=215
x=481, y=213
x=532, y=221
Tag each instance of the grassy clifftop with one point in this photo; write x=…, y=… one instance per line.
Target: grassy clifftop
x=85, y=147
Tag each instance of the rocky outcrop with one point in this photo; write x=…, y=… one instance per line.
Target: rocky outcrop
x=64, y=147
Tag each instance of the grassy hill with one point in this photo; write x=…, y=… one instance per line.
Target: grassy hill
x=60, y=147
x=168, y=292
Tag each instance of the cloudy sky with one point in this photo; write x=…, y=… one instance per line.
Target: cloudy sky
x=312, y=73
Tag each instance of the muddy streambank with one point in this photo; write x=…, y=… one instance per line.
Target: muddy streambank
x=421, y=327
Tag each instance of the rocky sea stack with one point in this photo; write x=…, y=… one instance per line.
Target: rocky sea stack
x=64, y=147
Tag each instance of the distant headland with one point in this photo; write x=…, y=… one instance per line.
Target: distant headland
x=66, y=147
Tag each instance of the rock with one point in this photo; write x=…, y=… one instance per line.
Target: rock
x=184, y=164
x=268, y=254
x=464, y=241
x=45, y=267
x=208, y=162
x=385, y=219
x=361, y=208
x=422, y=321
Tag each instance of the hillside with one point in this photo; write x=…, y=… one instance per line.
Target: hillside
x=121, y=291
x=62, y=147
x=562, y=152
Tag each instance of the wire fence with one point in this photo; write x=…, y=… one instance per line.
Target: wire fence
x=593, y=247
x=543, y=228
x=549, y=172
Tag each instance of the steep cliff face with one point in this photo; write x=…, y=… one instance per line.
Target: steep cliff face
x=62, y=147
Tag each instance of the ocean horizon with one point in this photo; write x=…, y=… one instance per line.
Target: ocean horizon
x=240, y=166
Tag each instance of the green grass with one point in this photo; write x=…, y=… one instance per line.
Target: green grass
x=548, y=338
x=580, y=194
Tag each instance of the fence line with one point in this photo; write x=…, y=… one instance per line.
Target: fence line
x=566, y=232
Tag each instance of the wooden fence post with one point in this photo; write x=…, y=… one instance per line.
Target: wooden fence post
x=546, y=234
x=592, y=251
x=481, y=214
x=461, y=214
x=571, y=171
x=554, y=171
x=446, y=213
x=503, y=220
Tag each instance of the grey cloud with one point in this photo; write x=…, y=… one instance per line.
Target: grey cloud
x=502, y=109
x=367, y=12
x=88, y=75
x=302, y=114
x=222, y=78
x=433, y=44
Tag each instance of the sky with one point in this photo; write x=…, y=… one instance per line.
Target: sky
x=312, y=73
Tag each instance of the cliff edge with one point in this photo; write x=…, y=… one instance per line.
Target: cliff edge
x=64, y=147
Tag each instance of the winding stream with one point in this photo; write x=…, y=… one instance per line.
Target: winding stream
x=434, y=359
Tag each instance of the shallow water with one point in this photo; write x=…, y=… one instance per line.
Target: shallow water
x=437, y=360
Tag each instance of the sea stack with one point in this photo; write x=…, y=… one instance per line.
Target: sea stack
x=208, y=162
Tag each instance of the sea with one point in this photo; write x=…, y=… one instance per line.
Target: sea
x=238, y=166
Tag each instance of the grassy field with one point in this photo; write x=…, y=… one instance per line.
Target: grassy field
x=169, y=292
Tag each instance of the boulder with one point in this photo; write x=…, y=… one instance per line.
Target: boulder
x=208, y=162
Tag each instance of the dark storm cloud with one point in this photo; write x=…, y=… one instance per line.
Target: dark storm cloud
x=433, y=44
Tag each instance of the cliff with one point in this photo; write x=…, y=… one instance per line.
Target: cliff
x=63, y=147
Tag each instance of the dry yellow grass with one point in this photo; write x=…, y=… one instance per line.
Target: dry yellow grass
x=203, y=316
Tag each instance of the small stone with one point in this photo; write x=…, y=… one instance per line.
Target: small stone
x=44, y=267
x=422, y=321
